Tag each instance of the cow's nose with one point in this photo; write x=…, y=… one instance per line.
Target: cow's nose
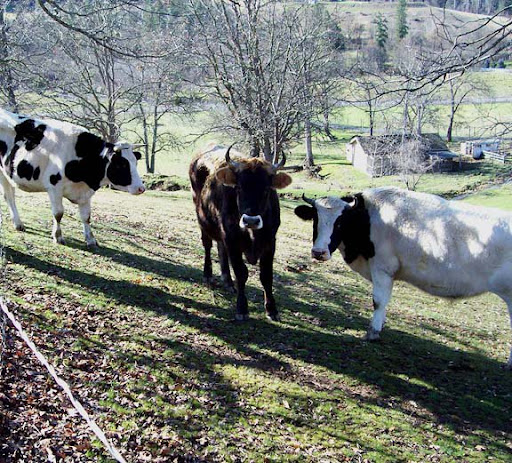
x=140, y=190
x=254, y=222
x=319, y=254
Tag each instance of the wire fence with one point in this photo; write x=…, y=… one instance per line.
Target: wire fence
x=3, y=318
x=7, y=315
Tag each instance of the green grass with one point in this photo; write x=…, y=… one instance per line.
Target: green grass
x=499, y=197
x=471, y=120
x=341, y=177
x=165, y=366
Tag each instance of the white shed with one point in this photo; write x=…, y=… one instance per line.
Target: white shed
x=476, y=148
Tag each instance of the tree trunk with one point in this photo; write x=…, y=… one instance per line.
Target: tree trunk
x=6, y=78
x=154, y=138
x=327, y=126
x=267, y=150
x=450, y=129
x=145, y=130
x=255, y=148
x=308, y=161
x=405, y=128
x=452, y=113
x=419, y=119
x=371, y=115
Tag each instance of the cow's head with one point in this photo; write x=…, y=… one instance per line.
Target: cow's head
x=122, y=168
x=253, y=180
x=327, y=216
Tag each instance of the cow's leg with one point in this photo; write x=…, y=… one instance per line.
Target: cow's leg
x=266, y=278
x=241, y=274
x=224, y=266
x=507, y=297
x=500, y=284
x=509, y=305
x=207, y=268
x=58, y=212
x=10, y=199
x=85, y=215
x=382, y=288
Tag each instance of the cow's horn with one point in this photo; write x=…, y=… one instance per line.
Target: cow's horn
x=308, y=200
x=229, y=160
x=281, y=163
x=139, y=145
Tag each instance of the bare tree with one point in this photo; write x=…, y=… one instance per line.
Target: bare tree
x=7, y=82
x=363, y=89
x=424, y=63
x=262, y=60
x=156, y=87
x=92, y=20
x=453, y=49
x=410, y=161
x=317, y=60
x=460, y=89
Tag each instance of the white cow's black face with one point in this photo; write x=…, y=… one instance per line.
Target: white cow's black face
x=339, y=221
x=122, y=169
x=325, y=214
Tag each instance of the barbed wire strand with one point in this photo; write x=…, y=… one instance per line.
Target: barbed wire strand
x=3, y=319
x=65, y=387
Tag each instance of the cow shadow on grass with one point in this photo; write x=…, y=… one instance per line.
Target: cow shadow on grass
x=461, y=389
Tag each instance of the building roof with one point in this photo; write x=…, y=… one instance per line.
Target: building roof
x=385, y=145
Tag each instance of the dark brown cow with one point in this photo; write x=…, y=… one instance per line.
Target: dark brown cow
x=237, y=206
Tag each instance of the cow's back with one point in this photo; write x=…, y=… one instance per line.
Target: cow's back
x=36, y=149
x=445, y=247
x=208, y=193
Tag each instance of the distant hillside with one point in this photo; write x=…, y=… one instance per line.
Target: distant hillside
x=355, y=19
x=484, y=7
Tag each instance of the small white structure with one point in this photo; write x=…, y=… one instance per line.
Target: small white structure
x=374, y=155
x=476, y=148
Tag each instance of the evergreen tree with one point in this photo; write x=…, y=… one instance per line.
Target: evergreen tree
x=381, y=32
x=401, y=21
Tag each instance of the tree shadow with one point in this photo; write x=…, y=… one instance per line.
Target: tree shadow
x=460, y=389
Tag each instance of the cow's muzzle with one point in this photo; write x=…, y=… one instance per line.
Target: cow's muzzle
x=253, y=222
x=320, y=254
x=137, y=190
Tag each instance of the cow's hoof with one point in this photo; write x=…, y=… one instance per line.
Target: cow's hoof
x=59, y=240
x=20, y=227
x=208, y=281
x=372, y=335
x=274, y=316
x=92, y=244
x=241, y=317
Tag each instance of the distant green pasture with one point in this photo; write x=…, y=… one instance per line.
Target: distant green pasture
x=499, y=197
x=471, y=120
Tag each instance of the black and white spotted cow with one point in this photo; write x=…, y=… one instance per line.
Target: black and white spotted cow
x=66, y=161
x=445, y=248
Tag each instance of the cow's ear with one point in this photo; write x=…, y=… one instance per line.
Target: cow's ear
x=137, y=155
x=305, y=212
x=281, y=180
x=226, y=176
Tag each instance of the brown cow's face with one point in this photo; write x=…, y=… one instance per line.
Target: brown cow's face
x=253, y=183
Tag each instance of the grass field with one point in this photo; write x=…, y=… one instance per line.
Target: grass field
x=158, y=359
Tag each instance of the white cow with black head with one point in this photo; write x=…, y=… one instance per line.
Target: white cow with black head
x=446, y=248
x=66, y=161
